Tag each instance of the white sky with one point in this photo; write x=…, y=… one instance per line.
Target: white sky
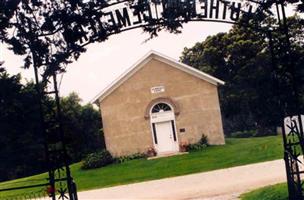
x=103, y=62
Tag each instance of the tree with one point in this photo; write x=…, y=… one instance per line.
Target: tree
x=53, y=33
x=48, y=33
x=242, y=59
x=21, y=141
x=82, y=127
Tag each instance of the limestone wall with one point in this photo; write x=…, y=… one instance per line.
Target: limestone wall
x=125, y=127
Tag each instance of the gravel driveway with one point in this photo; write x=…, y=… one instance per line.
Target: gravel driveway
x=224, y=184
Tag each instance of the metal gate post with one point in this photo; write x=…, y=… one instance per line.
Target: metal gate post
x=293, y=140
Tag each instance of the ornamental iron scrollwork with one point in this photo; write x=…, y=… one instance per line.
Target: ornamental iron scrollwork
x=61, y=184
x=293, y=155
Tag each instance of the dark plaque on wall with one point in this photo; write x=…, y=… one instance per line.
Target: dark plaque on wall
x=182, y=130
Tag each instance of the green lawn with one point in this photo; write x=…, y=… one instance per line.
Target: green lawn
x=274, y=192
x=236, y=152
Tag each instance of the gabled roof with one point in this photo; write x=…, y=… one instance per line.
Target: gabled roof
x=158, y=56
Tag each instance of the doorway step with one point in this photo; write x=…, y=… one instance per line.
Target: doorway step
x=167, y=155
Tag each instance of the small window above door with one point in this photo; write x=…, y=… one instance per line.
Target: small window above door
x=161, y=107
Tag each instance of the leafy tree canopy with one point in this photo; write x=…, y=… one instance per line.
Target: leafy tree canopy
x=258, y=92
x=48, y=32
x=21, y=141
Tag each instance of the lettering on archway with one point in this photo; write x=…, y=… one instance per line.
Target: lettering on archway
x=120, y=16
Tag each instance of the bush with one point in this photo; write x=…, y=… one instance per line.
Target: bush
x=97, y=159
x=204, y=140
x=150, y=152
x=196, y=147
x=203, y=143
x=183, y=147
x=253, y=133
x=244, y=134
x=130, y=157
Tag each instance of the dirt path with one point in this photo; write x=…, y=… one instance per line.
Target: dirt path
x=224, y=184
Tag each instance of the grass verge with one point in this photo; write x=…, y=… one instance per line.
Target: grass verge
x=236, y=152
x=273, y=192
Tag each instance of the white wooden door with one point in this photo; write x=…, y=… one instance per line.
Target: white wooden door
x=164, y=135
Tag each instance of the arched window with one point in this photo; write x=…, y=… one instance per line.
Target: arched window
x=161, y=107
x=173, y=106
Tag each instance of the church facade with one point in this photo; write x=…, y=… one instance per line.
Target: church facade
x=160, y=103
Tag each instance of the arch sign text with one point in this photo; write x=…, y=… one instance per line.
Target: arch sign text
x=126, y=15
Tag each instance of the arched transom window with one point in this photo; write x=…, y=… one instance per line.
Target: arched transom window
x=161, y=107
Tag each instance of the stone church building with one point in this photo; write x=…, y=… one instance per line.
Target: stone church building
x=160, y=103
